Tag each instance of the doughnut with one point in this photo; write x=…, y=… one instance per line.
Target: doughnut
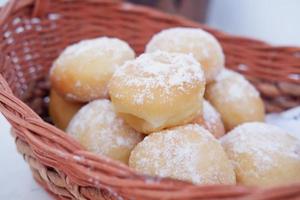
x=188, y=153
x=201, y=44
x=262, y=154
x=100, y=130
x=158, y=90
x=211, y=120
x=82, y=71
x=61, y=111
x=235, y=99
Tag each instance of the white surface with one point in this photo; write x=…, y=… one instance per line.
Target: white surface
x=257, y=18
x=15, y=177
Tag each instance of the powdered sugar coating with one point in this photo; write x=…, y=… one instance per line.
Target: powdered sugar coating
x=210, y=114
x=184, y=153
x=97, y=47
x=201, y=44
x=100, y=130
x=160, y=71
x=175, y=37
x=239, y=87
x=260, y=150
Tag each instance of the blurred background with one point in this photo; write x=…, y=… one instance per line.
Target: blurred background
x=274, y=21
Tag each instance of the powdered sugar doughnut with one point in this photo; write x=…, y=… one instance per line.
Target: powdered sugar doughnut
x=211, y=120
x=99, y=130
x=204, y=47
x=235, y=99
x=61, y=111
x=263, y=155
x=83, y=70
x=158, y=90
x=187, y=153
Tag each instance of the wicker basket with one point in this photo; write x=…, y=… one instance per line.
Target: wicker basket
x=33, y=34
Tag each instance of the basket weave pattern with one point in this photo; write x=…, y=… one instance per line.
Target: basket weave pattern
x=34, y=32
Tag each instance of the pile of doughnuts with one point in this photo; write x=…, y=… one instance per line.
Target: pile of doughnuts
x=174, y=111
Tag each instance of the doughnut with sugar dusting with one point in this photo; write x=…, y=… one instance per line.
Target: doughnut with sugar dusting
x=97, y=127
x=188, y=153
x=82, y=71
x=201, y=44
x=235, y=98
x=263, y=154
x=158, y=90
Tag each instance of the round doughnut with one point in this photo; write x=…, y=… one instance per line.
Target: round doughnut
x=82, y=71
x=158, y=90
x=99, y=130
x=263, y=155
x=61, y=111
x=235, y=99
x=211, y=120
x=204, y=47
x=188, y=153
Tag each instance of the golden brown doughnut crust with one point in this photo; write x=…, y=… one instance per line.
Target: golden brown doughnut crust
x=82, y=70
x=61, y=111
